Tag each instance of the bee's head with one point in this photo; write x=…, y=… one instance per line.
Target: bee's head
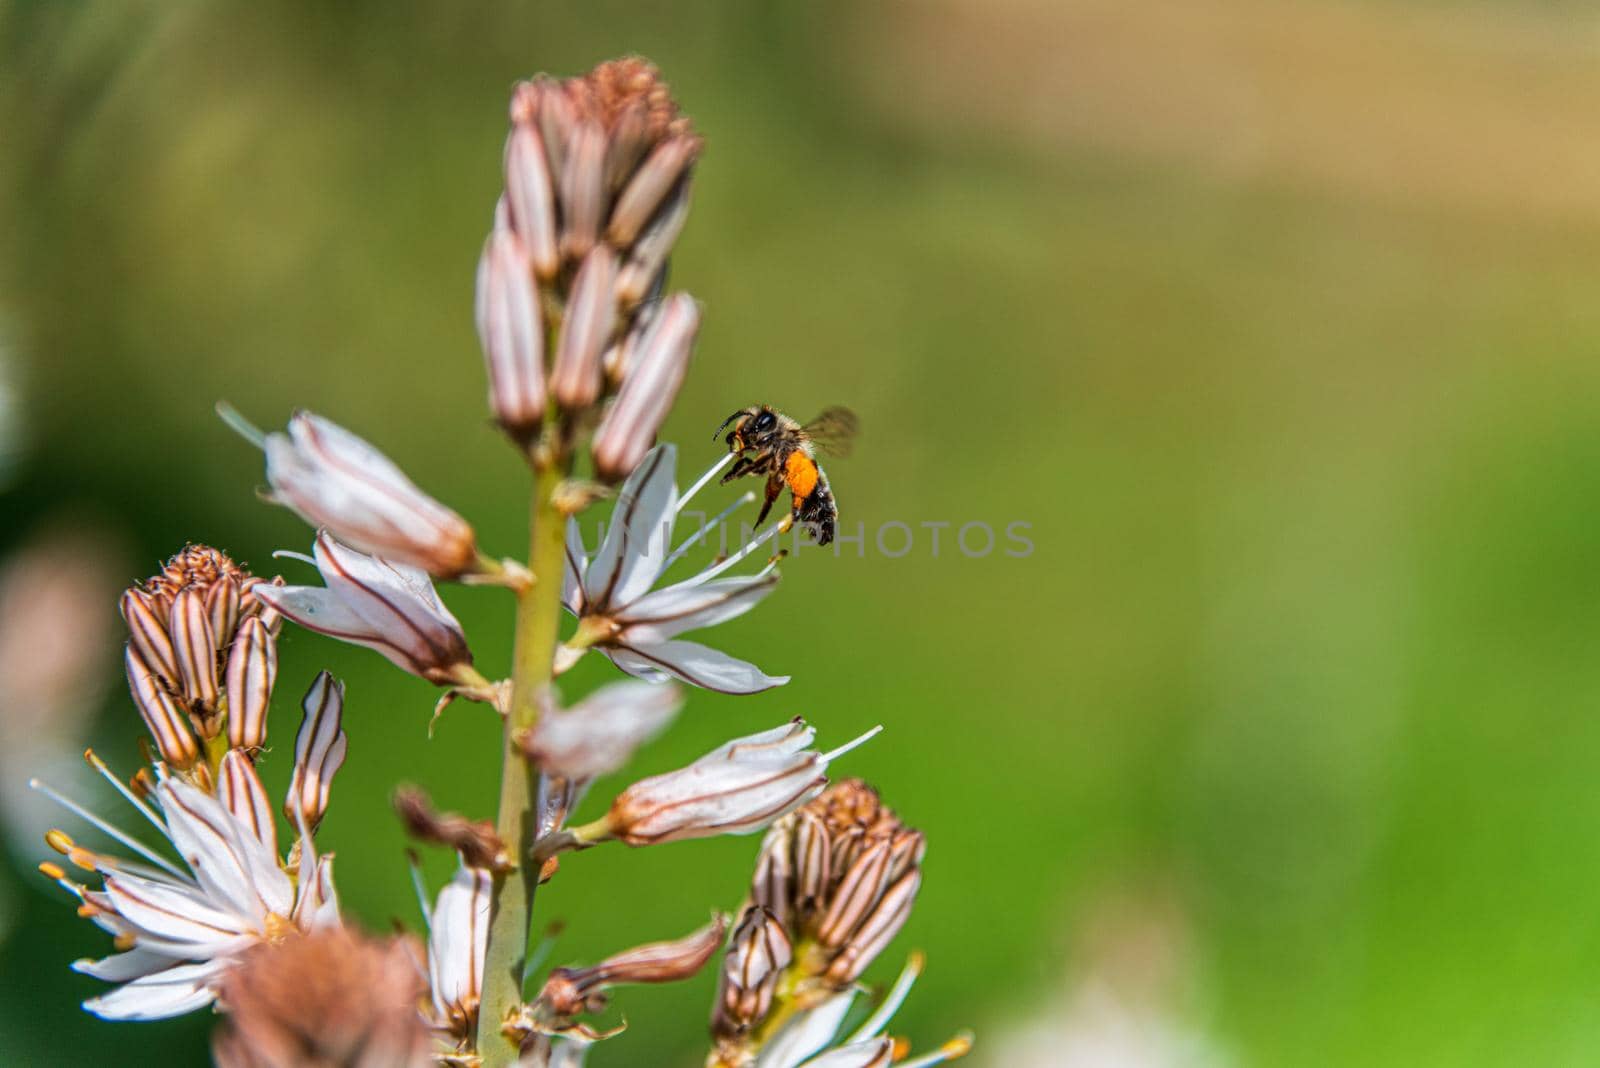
x=752, y=428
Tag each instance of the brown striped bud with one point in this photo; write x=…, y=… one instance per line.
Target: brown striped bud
x=876, y=930
x=530, y=194
x=576, y=376
x=512, y=335
x=649, y=253
x=147, y=630
x=649, y=187
x=240, y=791
x=756, y=958
x=162, y=716
x=222, y=606
x=583, y=193
x=319, y=749
x=658, y=365
x=196, y=645
x=252, y=671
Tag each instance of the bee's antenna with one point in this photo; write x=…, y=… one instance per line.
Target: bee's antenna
x=725, y=423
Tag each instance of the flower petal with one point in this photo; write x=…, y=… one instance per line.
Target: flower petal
x=873, y=1053
x=397, y=602
x=240, y=789
x=231, y=864
x=698, y=665
x=177, y=915
x=806, y=1034
x=668, y=612
x=121, y=967
x=173, y=992
x=320, y=610
x=639, y=537
x=459, y=939
x=599, y=734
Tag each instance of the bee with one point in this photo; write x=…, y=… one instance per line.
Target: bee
x=770, y=443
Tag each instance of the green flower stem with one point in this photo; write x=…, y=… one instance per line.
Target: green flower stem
x=538, y=619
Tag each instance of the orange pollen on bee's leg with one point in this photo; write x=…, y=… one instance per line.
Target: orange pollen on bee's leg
x=800, y=472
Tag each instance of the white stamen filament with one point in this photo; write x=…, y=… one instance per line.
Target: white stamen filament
x=846, y=747
x=891, y=1002
x=699, y=484
x=138, y=802
x=126, y=839
x=290, y=554
x=694, y=539
x=755, y=543
x=956, y=1047
x=422, y=894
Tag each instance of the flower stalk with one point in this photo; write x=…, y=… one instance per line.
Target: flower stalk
x=538, y=619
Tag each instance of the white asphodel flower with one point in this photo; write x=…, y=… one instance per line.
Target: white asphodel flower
x=181, y=927
x=332, y=478
x=458, y=939
x=387, y=606
x=636, y=626
x=737, y=788
x=812, y=1039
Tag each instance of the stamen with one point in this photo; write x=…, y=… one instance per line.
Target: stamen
x=290, y=554
x=149, y=813
x=891, y=1001
x=694, y=539
x=699, y=484
x=126, y=839
x=959, y=1046
x=241, y=426
x=846, y=747
x=755, y=543
x=414, y=862
x=777, y=558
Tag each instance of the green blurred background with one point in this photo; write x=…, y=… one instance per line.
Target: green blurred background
x=1277, y=321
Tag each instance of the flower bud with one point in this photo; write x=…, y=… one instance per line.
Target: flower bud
x=876, y=931
x=650, y=251
x=196, y=646
x=583, y=194
x=240, y=791
x=147, y=630
x=530, y=194
x=772, y=887
x=651, y=385
x=252, y=670
x=319, y=749
x=334, y=479
x=644, y=194
x=383, y=605
x=591, y=313
x=737, y=788
x=222, y=606
x=512, y=335
x=751, y=969
x=570, y=991
x=162, y=716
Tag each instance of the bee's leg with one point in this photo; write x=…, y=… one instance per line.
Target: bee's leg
x=744, y=465
x=774, y=487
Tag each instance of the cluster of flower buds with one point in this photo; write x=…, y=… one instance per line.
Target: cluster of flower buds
x=834, y=882
x=201, y=652
x=597, y=173
x=201, y=663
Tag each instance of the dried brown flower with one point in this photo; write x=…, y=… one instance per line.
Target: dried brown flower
x=327, y=1000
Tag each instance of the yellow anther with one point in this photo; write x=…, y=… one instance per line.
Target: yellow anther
x=83, y=858
x=52, y=871
x=60, y=841
x=87, y=911
x=124, y=941
x=959, y=1046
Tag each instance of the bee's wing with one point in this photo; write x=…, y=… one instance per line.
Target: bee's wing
x=833, y=431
